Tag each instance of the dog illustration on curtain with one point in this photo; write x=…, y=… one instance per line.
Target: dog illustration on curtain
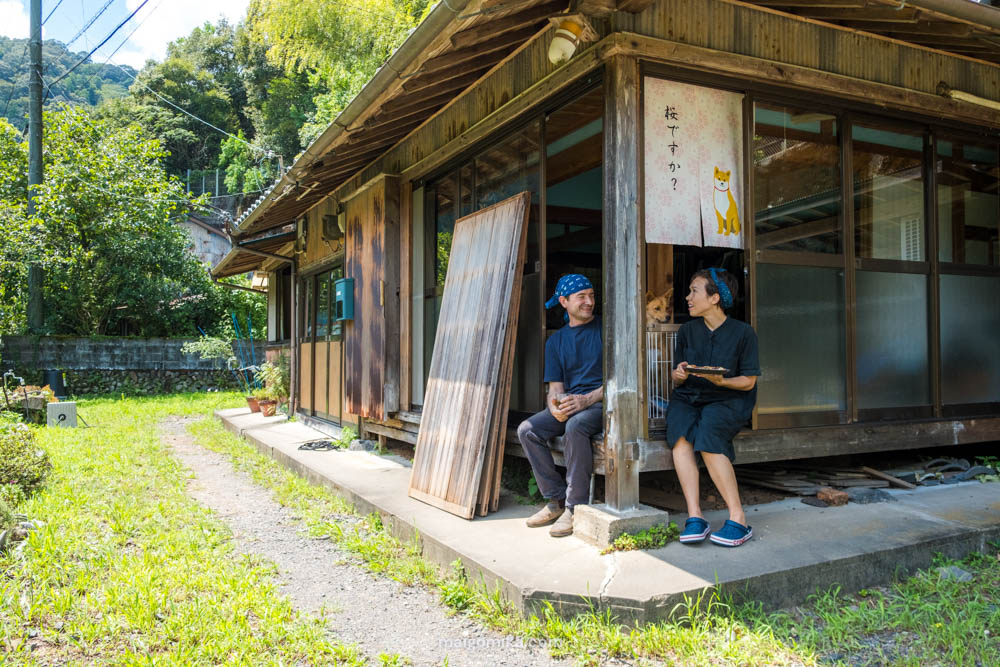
x=725, y=204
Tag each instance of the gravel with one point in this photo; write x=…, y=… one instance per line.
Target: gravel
x=378, y=614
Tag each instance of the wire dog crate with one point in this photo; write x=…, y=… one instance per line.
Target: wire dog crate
x=659, y=363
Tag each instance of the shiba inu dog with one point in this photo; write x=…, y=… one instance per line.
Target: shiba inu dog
x=658, y=308
x=725, y=205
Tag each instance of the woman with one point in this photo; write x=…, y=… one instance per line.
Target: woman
x=706, y=410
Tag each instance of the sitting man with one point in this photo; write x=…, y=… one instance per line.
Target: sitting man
x=575, y=374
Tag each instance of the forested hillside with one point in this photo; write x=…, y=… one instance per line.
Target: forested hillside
x=88, y=85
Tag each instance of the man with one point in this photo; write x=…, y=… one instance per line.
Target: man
x=575, y=374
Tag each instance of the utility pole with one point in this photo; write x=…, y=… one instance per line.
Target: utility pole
x=35, y=312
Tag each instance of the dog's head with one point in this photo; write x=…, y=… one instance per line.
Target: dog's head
x=721, y=179
x=658, y=308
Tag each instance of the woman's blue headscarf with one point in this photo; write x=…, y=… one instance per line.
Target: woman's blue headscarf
x=725, y=296
x=571, y=283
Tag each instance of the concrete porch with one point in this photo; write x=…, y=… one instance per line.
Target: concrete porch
x=796, y=549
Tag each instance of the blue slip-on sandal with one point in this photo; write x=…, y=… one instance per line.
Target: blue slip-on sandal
x=732, y=534
x=696, y=530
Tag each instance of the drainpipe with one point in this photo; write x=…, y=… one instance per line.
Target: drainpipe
x=423, y=35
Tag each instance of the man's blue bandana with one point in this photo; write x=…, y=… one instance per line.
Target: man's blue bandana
x=571, y=283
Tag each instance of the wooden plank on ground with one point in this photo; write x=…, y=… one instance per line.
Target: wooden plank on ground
x=892, y=479
x=466, y=400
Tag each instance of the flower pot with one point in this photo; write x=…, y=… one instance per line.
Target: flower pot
x=267, y=408
x=253, y=403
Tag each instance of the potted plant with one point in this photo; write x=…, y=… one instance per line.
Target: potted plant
x=267, y=402
x=211, y=347
x=253, y=400
x=276, y=375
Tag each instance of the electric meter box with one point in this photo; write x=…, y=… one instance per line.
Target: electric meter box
x=343, y=299
x=61, y=413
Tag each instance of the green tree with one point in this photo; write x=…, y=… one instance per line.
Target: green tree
x=115, y=260
x=339, y=45
x=246, y=170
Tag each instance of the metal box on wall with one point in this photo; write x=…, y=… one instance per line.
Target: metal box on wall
x=343, y=299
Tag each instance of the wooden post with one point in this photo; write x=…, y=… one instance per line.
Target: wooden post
x=405, y=293
x=622, y=298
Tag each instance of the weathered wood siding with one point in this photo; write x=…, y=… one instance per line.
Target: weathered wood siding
x=713, y=24
x=752, y=31
x=319, y=250
x=372, y=260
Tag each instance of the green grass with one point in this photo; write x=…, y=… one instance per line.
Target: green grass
x=913, y=622
x=110, y=576
x=128, y=569
x=653, y=537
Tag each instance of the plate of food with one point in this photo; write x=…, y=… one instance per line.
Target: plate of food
x=707, y=370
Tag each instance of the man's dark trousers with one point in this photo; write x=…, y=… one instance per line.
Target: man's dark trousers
x=534, y=434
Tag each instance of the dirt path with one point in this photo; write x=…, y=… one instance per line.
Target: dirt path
x=379, y=614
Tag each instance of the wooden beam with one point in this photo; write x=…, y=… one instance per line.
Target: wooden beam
x=623, y=302
x=886, y=14
x=459, y=57
x=454, y=79
x=560, y=79
x=529, y=17
x=409, y=104
x=837, y=4
x=803, y=78
x=935, y=28
x=596, y=8
x=633, y=6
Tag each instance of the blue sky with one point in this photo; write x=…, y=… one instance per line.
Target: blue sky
x=162, y=21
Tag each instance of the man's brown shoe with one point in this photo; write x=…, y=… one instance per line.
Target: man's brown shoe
x=544, y=516
x=562, y=527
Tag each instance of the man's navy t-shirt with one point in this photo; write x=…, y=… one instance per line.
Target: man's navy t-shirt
x=575, y=357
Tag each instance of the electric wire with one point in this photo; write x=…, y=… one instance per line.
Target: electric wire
x=103, y=41
x=268, y=153
x=53, y=11
x=89, y=23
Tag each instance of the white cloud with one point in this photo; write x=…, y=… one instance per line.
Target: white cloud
x=170, y=19
x=13, y=19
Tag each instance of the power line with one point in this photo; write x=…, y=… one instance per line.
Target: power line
x=89, y=23
x=53, y=11
x=266, y=152
x=129, y=36
x=103, y=41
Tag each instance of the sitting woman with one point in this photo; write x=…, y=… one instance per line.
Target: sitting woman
x=709, y=405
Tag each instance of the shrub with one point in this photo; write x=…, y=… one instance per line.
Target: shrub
x=22, y=463
x=7, y=519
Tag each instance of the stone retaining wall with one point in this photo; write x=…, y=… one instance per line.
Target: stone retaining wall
x=117, y=365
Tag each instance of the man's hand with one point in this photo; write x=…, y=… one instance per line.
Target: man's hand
x=681, y=373
x=556, y=411
x=573, y=403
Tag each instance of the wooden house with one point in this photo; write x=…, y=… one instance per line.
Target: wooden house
x=862, y=141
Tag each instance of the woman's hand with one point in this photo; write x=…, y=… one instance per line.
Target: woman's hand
x=680, y=373
x=717, y=380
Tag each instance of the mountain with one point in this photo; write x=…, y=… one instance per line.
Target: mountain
x=89, y=83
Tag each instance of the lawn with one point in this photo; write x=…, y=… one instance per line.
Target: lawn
x=128, y=569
